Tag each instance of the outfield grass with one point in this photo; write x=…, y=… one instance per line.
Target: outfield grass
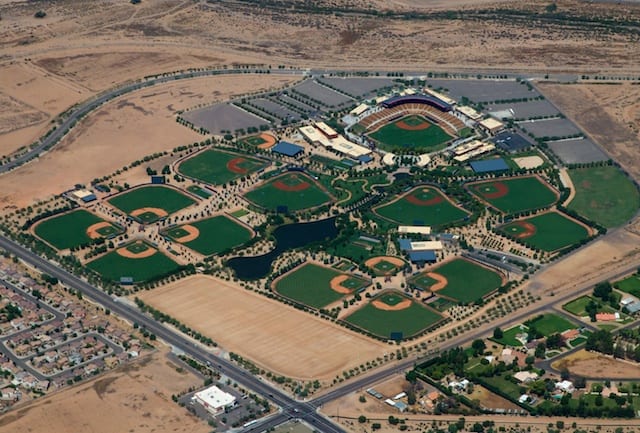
x=629, y=285
x=604, y=195
x=217, y=234
x=524, y=193
x=404, y=211
x=382, y=323
x=212, y=166
x=68, y=230
x=113, y=266
x=310, y=285
x=160, y=197
x=270, y=197
x=395, y=139
x=550, y=324
x=554, y=231
x=467, y=282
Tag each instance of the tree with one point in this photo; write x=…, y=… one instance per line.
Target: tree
x=40, y=14
x=600, y=341
x=555, y=341
x=362, y=419
x=603, y=291
x=411, y=376
x=497, y=333
x=478, y=346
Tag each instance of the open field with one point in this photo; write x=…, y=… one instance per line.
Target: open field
x=578, y=306
x=317, y=286
x=149, y=198
x=148, y=264
x=411, y=133
x=135, y=397
x=593, y=364
x=73, y=229
x=629, y=285
x=381, y=317
x=513, y=195
x=292, y=190
x=423, y=205
x=549, y=231
x=211, y=235
x=550, y=324
x=216, y=167
x=283, y=339
x=604, y=195
x=466, y=281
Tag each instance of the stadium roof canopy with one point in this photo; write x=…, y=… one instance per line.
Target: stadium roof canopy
x=287, y=149
x=417, y=99
x=488, y=165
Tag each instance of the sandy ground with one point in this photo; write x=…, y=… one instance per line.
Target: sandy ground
x=529, y=161
x=589, y=364
x=120, y=132
x=136, y=397
x=278, y=337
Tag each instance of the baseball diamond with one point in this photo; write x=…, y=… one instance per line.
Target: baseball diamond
x=217, y=167
x=511, y=195
x=293, y=190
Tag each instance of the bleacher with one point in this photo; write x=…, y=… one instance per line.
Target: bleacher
x=445, y=120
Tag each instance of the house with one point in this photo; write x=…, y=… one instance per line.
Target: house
x=490, y=358
x=523, y=398
x=507, y=356
x=459, y=386
x=570, y=334
x=565, y=386
x=525, y=376
x=607, y=317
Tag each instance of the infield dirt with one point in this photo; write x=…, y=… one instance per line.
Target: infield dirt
x=277, y=337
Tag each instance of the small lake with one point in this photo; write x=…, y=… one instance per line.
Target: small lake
x=287, y=237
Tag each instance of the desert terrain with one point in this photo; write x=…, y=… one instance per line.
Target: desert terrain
x=590, y=364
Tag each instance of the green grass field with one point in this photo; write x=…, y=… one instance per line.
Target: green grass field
x=254, y=140
x=217, y=167
x=392, y=138
x=217, y=234
x=422, y=206
x=550, y=324
x=577, y=306
x=522, y=193
x=604, y=195
x=70, y=230
x=199, y=191
x=295, y=190
x=384, y=267
x=554, y=231
x=160, y=197
x=113, y=266
x=467, y=282
x=382, y=323
x=629, y=285
x=310, y=285
x=509, y=337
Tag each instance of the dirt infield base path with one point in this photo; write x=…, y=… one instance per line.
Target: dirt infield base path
x=193, y=234
x=156, y=210
x=92, y=230
x=372, y=262
x=386, y=307
x=124, y=252
x=269, y=141
x=336, y=285
x=441, y=281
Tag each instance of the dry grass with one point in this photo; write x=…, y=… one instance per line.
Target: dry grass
x=591, y=364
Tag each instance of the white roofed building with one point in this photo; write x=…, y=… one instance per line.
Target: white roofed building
x=214, y=400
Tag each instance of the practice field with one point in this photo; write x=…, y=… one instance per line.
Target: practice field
x=392, y=312
x=549, y=231
x=317, y=286
x=73, y=229
x=424, y=205
x=458, y=279
x=261, y=141
x=604, y=195
x=515, y=194
x=211, y=235
x=292, y=190
x=217, y=167
x=150, y=203
x=383, y=265
x=411, y=133
x=137, y=260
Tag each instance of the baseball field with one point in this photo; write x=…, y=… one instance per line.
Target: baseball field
x=217, y=167
x=424, y=205
x=150, y=203
x=73, y=229
x=604, y=195
x=383, y=265
x=318, y=286
x=261, y=141
x=137, y=260
x=291, y=191
x=393, y=313
x=459, y=279
x=210, y=236
x=515, y=194
x=411, y=133
x=549, y=231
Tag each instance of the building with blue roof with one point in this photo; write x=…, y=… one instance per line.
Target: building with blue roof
x=405, y=244
x=426, y=256
x=288, y=149
x=489, y=165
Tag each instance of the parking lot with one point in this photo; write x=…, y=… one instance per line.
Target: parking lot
x=278, y=110
x=323, y=94
x=576, y=151
x=526, y=110
x=223, y=117
x=550, y=128
x=357, y=86
x=484, y=90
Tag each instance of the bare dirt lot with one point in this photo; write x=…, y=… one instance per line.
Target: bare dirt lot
x=590, y=364
x=136, y=397
x=122, y=131
x=275, y=336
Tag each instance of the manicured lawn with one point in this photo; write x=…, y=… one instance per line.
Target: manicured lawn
x=550, y=324
x=509, y=337
x=393, y=138
x=553, y=231
x=629, y=285
x=504, y=385
x=604, y=195
x=161, y=197
x=578, y=306
x=293, y=190
x=520, y=194
x=422, y=206
x=113, y=266
x=357, y=249
x=310, y=285
x=199, y=191
x=467, y=282
x=382, y=323
x=68, y=230
x=217, y=167
x=217, y=234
